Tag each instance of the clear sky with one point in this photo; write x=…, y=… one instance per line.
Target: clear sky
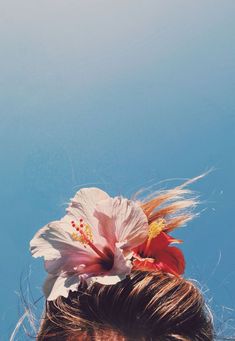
x=119, y=95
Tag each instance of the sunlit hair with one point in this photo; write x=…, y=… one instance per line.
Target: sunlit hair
x=146, y=305
x=175, y=204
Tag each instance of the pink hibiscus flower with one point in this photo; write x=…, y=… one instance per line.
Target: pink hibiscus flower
x=93, y=241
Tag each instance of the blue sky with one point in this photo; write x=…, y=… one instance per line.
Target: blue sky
x=119, y=95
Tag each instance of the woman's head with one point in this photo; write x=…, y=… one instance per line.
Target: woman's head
x=145, y=306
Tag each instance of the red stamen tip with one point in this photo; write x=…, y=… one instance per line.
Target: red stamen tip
x=81, y=225
x=72, y=222
x=81, y=219
x=73, y=225
x=77, y=229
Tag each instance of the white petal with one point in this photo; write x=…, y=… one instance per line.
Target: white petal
x=83, y=205
x=51, y=242
x=122, y=220
x=122, y=265
x=107, y=280
x=56, y=286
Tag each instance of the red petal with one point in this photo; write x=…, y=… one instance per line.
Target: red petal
x=157, y=244
x=172, y=258
x=145, y=265
x=169, y=260
x=160, y=242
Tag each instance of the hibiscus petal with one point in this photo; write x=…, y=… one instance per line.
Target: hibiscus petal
x=52, y=241
x=121, y=220
x=170, y=260
x=49, y=241
x=157, y=244
x=83, y=205
x=70, y=262
x=107, y=280
x=56, y=286
x=122, y=264
x=173, y=258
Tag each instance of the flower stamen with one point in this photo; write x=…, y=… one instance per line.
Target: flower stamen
x=155, y=228
x=86, y=237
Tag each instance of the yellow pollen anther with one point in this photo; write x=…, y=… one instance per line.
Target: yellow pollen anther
x=156, y=227
x=75, y=236
x=84, y=239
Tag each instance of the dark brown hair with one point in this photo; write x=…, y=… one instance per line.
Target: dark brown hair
x=145, y=306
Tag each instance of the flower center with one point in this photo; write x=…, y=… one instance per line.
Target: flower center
x=84, y=235
x=155, y=228
x=85, y=232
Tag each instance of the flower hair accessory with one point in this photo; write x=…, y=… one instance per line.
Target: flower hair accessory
x=102, y=239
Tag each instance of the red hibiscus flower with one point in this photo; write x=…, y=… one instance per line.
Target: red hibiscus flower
x=156, y=254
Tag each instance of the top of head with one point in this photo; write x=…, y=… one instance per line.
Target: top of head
x=145, y=306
